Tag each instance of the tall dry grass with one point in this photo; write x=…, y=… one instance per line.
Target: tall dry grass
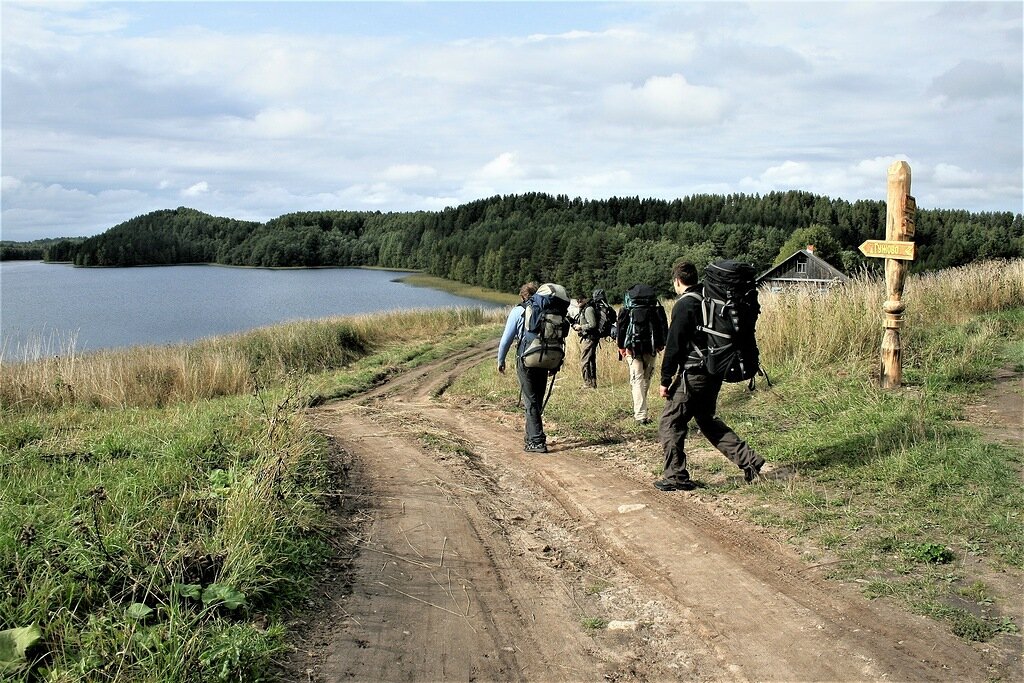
x=158, y=375
x=803, y=326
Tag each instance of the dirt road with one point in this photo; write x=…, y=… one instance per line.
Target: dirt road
x=470, y=560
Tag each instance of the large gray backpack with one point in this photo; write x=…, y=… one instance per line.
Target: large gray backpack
x=545, y=326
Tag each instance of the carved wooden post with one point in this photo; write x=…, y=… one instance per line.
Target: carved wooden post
x=899, y=227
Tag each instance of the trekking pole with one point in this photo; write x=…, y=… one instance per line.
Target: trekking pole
x=550, y=387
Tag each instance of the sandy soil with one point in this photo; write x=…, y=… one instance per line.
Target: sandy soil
x=462, y=558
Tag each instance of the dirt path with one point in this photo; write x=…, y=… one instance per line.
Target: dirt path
x=471, y=560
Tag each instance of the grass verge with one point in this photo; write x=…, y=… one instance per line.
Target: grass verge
x=166, y=540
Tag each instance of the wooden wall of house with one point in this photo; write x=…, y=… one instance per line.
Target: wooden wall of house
x=814, y=271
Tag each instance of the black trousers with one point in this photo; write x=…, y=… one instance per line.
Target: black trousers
x=695, y=396
x=532, y=384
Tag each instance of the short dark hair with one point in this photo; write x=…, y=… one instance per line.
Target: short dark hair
x=527, y=290
x=685, y=272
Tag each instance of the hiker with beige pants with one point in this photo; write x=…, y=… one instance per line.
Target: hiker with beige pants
x=641, y=330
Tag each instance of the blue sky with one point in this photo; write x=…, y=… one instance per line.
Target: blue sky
x=252, y=110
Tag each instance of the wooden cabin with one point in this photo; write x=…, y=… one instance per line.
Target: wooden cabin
x=804, y=268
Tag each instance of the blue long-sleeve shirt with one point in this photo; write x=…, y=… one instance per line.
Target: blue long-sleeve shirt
x=513, y=326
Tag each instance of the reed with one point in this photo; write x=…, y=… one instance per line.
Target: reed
x=802, y=326
x=151, y=376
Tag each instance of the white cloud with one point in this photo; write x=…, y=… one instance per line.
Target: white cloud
x=665, y=101
x=200, y=188
x=284, y=122
x=408, y=172
x=504, y=166
x=9, y=183
x=34, y=210
x=973, y=80
x=950, y=175
x=606, y=184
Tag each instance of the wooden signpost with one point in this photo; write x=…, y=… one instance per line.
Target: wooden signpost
x=897, y=248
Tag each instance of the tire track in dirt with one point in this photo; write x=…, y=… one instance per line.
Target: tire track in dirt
x=515, y=534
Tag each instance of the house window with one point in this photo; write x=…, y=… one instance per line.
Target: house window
x=801, y=267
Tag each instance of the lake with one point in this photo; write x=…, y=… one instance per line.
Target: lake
x=45, y=306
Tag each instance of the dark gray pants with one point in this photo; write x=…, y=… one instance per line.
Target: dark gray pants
x=588, y=359
x=697, y=398
x=532, y=384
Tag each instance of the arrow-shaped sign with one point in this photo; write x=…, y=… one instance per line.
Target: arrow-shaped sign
x=904, y=251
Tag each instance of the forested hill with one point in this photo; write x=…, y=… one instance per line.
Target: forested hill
x=502, y=241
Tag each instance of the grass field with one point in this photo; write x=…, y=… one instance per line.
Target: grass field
x=162, y=507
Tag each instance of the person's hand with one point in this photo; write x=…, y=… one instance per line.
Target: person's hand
x=501, y=368
x=663, y=391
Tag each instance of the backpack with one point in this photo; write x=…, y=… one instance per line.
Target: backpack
x=542, y=344
x=604, y=314
x=605, y=320
x=640, y=301
x=730, y=309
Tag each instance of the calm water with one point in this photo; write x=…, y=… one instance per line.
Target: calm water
x=48, y=305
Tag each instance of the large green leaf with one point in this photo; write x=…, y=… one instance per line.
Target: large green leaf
x=187, y=590
x=138, y=611
x=14, y=642
x=217, y=592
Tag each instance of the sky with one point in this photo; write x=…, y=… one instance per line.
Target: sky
x=251, y=110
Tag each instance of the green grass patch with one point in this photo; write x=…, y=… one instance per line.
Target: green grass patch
x=460, y=289
x=106, y=512
x=594, y=623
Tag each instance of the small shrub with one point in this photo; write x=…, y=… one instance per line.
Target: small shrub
x=969, y=627
x=930, y=553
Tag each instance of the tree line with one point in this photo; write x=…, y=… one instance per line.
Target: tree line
x=31, y=251
x=502, y=241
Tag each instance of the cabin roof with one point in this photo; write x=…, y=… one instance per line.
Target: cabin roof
x=821, y=267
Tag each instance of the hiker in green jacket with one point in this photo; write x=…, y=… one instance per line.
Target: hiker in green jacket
x=586, y=326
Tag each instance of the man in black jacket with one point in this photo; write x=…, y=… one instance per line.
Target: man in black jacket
x=691, y=392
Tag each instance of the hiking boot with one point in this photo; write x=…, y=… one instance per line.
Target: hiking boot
x=536, y=448
x=644, y=421
x=752, y=473
x=668, y=485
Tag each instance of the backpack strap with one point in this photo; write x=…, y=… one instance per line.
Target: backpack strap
x=697, y=354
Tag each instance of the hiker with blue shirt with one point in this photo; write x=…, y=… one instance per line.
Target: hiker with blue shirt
x=532, y=381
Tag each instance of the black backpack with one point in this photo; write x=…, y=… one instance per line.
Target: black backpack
x=605, y=320
x=640, y=301
x=604, y=314
x=729, y=309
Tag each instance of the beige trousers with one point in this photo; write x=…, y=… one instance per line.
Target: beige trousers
x=641, y=368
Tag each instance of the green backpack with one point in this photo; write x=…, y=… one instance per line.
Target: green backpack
x=640, y=301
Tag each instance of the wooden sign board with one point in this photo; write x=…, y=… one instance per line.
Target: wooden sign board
x=904, y=251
